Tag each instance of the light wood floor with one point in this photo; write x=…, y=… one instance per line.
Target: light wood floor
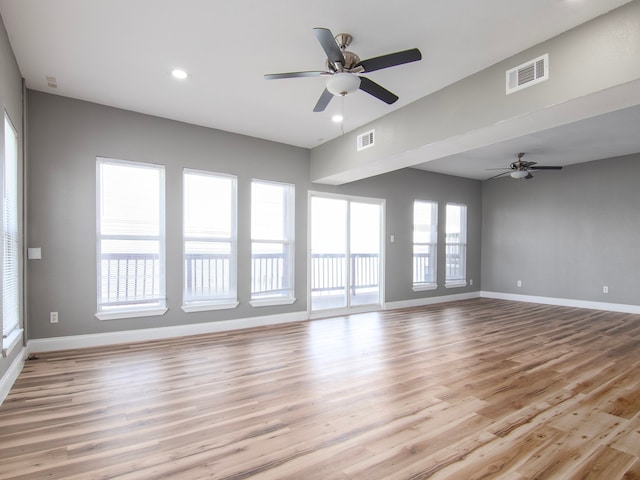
x=468, y=390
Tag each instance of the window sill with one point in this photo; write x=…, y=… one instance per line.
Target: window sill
x=205, y=307
x=267, y=302
x=424, y=288
x=11, y=342
x=455, y=284
x=151, y=312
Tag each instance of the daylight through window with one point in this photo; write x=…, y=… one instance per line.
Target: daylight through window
x=10, y=237
x=456, y=245
x=425, y=244
x=210, y=241
x=130, y=238
x=272, y=208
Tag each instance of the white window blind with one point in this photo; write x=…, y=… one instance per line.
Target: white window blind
x=272, y=235
x=456, y=245
x=425, y=244
x=210, y=240
x=130, y=238
x=11, y=252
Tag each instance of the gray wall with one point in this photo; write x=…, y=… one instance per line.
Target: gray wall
x=66, y=136
x=565, y=234
x=11, y=102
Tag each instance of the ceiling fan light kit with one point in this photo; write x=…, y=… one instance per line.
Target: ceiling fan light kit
x=344, y=69
x=519, y=174
x=341, y=84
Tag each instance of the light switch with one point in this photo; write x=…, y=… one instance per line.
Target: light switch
x=34, y=253
x=392, y=238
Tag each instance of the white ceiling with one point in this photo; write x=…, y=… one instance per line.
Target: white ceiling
x=121, y=52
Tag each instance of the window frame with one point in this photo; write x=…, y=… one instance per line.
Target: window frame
x=461, y=245
x=129, y=311
x=192, y=304
x=433, y=246
x=288, y=246
x=11, y=331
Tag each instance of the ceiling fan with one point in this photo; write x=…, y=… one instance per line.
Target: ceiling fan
x=344, y=69
x=522, y=169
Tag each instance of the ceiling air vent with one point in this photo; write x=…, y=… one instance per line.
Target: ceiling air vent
x=366, y=140
x=528, y=74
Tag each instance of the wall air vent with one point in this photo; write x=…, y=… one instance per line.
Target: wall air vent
x=366, y=140
x=528, y=74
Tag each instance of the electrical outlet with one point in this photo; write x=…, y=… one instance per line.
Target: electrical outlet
x=53, y=317
x=519, y=283
x=471, y=281
x=605, y=289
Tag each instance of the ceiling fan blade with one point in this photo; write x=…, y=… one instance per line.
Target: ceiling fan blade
x=381, y=93
x=528, y=177
x=276, y=76
x=546, y=167
x=329, y=45
x=323, y=101
x=391, y=60
x=499, y=175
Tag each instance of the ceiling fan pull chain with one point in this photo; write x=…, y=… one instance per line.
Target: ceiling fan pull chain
x=342, y=113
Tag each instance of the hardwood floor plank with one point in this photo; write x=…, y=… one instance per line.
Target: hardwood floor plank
x=605, y=462
x=633, y=472
x=502, y=458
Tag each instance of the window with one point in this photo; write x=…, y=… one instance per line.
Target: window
x=425, y=244
x=456, y=246
x=130, y=239
x=11, y=255
x=210, y=241
x=272, y=228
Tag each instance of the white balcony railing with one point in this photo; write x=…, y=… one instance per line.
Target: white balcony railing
x=130, y=279
x=135, y=278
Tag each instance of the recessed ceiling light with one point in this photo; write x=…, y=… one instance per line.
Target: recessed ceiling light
x=181, y=74
x=337, y=118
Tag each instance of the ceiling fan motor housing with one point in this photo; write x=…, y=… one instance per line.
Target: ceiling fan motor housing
x=351, y=61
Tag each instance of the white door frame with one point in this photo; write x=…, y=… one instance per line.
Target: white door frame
x=348, y=310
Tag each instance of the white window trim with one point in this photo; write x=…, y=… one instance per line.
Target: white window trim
x=8, y=340
x=424, y=287
x=11, y=341
x=458, y=283
x=208, y=306
x=271, y=301
x=455, y=284
x=148, y=312
x=123, y=312
x=222, y=303
x=263, y=301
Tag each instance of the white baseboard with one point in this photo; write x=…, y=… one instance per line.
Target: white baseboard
x=159, y=333
x=564, y=302
x=11, y=375
x=419, y=302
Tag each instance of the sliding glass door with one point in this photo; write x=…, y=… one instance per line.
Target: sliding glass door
x=346, y=252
